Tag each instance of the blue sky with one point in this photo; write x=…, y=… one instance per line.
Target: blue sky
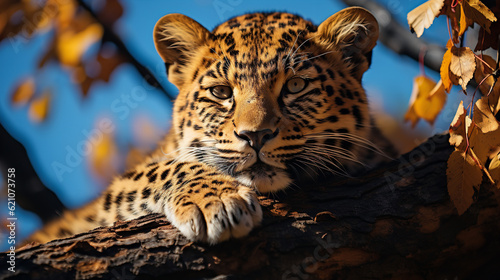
x=388, y=84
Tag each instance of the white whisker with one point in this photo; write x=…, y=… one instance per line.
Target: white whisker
x=354, y=139
x=319, y=55
x=293, y=54
x=291, y=48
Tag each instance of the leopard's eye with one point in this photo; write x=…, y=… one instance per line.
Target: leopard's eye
x=296, y=85
x=222, y=92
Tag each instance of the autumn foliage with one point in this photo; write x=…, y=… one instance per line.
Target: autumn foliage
x=73, y=32
x=79, y=43
x=474, y=132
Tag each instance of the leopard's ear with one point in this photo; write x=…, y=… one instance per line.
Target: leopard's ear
x=354, y=31
x=177, y=38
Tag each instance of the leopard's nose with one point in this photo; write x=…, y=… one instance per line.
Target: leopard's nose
x=257, y=139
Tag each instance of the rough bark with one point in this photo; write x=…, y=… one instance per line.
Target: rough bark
x=394, y=222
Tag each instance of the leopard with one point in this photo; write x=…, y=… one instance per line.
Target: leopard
x=265, y=100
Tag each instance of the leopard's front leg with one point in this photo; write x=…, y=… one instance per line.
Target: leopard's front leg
x=204, y=204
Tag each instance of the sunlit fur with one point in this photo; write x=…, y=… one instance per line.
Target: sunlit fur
x=322, y=129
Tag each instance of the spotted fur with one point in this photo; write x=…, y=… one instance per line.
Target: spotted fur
x=263, y=98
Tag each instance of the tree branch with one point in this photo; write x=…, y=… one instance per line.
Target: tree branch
x=393, y=222
x=111, y=36
x=31, y=193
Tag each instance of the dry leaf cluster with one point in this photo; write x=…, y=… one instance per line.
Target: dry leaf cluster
x=474, y=132
x=78, y=44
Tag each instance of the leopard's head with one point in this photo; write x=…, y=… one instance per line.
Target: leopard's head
x=266, y=97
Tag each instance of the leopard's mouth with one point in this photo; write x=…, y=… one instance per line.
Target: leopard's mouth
x=259, y=167
x=264, y=177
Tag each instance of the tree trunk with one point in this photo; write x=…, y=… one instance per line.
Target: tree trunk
x=394, y=222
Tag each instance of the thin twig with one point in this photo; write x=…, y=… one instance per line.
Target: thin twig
x=115, y=39
x=481, y=166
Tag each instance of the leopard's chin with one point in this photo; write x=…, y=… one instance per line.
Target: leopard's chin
x=264, y=178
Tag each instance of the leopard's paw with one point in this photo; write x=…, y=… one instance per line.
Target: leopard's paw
x=214, y=216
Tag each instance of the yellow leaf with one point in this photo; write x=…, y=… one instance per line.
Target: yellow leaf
x=487, y=83
x=494, y=169
x=412, y=116
x=422, y=16
x=71, y=45
x=437, y=89
x=459, y=127
x=462, y=65
x=445, y=70
x=427, y=100
x=23, y=92
x=479, y=13
x=464, y=22
x=103, y=155
x=39, y=108
x=484, y=143
x=483, y=116
x=462, y=176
